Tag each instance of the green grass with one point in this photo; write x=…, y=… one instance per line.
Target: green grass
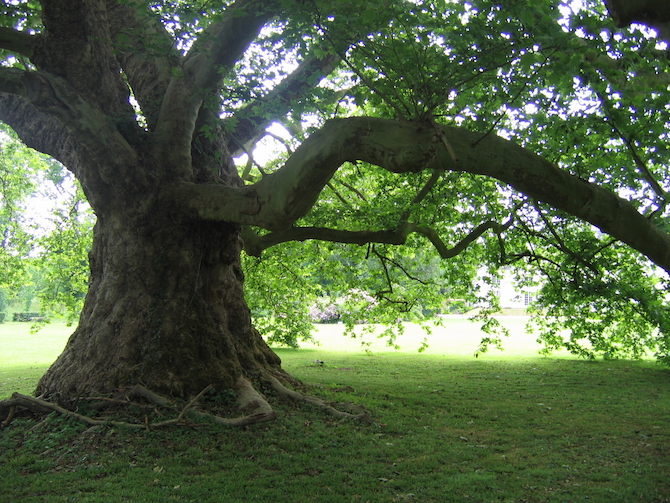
x=505, y=427
x=24, y=356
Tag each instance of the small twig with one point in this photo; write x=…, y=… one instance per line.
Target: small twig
x=337, y=194
x=354, y=190
x=443, y=137
x=280, y=140
x=193, y=402
x=421, y=195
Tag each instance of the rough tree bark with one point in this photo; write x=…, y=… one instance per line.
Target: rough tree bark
x=165, y=306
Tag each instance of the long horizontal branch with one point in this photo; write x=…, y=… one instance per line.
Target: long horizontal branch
x=254, y=244
x=401, y=147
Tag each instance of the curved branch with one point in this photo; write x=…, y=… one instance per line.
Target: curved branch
x=255, y=244
x=39, y=130
x=220, y=46
x=400, y=147
x=17, y=41
x=55, y=98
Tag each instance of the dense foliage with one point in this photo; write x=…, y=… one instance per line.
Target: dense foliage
x=46, y=233
x=557, y=78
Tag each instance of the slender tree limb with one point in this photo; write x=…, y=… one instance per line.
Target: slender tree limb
x=641, y=165
x=254, y=244
x=397, y=264
x=421, y=195
x=446, y=252
x=353, y=189
x=337, y=194
x=560, y=244
x=251, y=121
x=18, y=42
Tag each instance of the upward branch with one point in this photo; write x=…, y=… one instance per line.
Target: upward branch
x=145, y=51
x=256, y=116
x=212, y=56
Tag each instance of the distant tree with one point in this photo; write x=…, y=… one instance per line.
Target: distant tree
x=62, y=258
x=531, y=134
x=18, y=178
x=44, y=256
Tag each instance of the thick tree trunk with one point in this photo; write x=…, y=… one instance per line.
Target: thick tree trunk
x=166, y=309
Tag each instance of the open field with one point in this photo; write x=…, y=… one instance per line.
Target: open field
x=505, y=427
x=458, y=336
x=24, y=356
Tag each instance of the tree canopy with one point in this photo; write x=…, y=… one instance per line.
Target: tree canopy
x=480, y=135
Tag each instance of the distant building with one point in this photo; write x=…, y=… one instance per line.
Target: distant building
x=511, y=295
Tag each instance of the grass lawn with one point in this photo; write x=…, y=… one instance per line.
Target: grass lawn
x=24, y=357
x=505, y=427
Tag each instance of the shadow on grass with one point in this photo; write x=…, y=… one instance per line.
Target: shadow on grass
x=502, y=427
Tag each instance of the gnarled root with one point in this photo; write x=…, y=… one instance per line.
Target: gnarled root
x=257, y=409
x=248, y=400
x=285, y=392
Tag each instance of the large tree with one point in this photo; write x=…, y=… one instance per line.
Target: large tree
x=514, y=127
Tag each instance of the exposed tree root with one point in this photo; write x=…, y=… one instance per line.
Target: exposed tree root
x=285, y=392
x=257, y=409
x=248, y=400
